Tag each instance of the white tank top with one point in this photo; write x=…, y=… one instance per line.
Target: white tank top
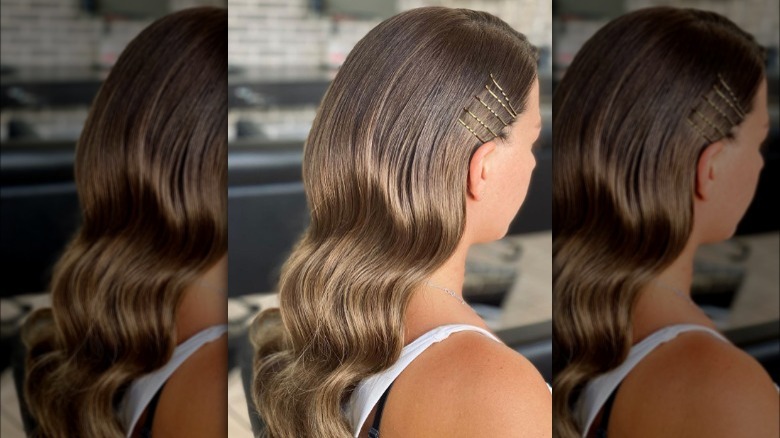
x=370, y=390
x=598, y=390
x=143, y=389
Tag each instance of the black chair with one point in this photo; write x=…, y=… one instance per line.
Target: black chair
x=245, y=358
x=267, y=212
x=534, y=342
x=40, y=212
x=762, y=341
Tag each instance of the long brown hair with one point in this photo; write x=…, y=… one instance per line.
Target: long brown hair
x=631, y=116
x=385, y=171
x=151, y=178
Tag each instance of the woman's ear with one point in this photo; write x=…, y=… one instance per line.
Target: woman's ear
x=706, y=170
x=479, y=170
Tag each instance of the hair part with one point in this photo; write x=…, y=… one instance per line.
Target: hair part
x=385, y=172
x=632, y=115
x=151, y=178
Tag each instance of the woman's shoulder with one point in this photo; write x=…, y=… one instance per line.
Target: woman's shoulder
x=701, y=385
x=471, y=385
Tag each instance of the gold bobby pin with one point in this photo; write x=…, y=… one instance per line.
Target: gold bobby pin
x=472, y=131
x=720, y=110
x=737, y=108
x=491, y=110
x=514, y=111
x=728, y=101
x=698, y=129
x=511, y=114
x=480, y=121
x=706, y=120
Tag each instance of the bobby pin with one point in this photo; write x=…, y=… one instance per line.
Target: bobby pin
x=698, y=129
x=514, y=111
x=731, y=93
x=491, y=110
x=480, y=121
x=728, y=101
x=472, y=131
x=719, y=110
x=706, y=120
x=511, y=114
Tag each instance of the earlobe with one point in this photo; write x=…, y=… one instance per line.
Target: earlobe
x=706, y=170
x=479, y=170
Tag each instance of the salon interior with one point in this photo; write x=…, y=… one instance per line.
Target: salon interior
x=282, y=54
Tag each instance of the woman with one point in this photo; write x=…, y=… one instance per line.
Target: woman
x=658, y=123
x=138, y=297
x=421, y=147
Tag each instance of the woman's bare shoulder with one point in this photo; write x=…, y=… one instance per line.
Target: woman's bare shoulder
x=698, y=385
x=469, y=386
x=194, y=400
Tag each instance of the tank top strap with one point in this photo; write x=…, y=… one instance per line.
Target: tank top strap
x=598, y=390
x=370, y=390
x=142, y=390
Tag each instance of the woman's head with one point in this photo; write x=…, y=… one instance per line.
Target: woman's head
x=151, y=178
x=654, y=120
x=642, y=101
x=413, y=102
x=429, y=121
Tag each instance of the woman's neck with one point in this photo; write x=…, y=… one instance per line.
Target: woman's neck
x=431, y=306
x=666, y=300
x=204, y=302
x=679, y=275
x=452, y=273
x=215, y=278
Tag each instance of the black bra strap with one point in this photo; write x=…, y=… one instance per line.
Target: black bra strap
x=380, y=406
x=146, y=431
x=601, y=432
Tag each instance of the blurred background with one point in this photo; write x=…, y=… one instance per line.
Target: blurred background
x=54, y=55
x=736, y=282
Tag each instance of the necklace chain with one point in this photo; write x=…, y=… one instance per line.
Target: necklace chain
x=677, y=291
x=449, y=292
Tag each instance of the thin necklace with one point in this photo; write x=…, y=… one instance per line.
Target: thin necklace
x=677, y=291
x=450, y=292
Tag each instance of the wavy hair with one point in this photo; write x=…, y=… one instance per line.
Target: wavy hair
x=151, y=175
x=385, y=172
x=637, y=106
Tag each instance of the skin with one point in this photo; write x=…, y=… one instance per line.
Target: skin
x=702, y=387
x=485, y=388
x=198, y=388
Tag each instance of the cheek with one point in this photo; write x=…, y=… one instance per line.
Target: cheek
x=523, y=172
x=750, y=172
x=519, y=177
x=758, y=164
x=742, y=182
x=515, y=175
